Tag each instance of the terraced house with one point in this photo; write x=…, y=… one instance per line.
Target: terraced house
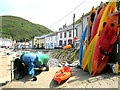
x=61, y=38
x=7, y=43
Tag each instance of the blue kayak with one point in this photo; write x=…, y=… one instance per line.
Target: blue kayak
x=83, y=39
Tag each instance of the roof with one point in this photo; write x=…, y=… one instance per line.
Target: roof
x=46, y=35
x=5, y=39
x=43, y=36
x=70, y=27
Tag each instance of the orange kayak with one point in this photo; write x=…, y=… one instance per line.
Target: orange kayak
x=63, y=74
x=67, y=47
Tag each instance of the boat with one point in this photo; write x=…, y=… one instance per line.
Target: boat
x=97, y=21
x=90, y=23
x=111, y=7
x=94, y=31
x=63, y=74
x=105, y=44
x=88, y=44
x=82, y=44
x=67, y=47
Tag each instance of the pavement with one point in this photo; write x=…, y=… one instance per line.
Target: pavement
x=79, y=79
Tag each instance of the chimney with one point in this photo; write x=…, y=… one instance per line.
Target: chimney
x=64, y=25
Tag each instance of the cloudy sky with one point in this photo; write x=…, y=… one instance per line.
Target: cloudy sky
x=50, y=13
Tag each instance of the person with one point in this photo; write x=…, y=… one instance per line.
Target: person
x=33, y=60
x=6, y=53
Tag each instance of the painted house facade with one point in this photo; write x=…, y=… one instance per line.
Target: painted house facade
x=61, y=38
x=6, y=43
x=51, y=41
x=39, y=42
x=65, y=34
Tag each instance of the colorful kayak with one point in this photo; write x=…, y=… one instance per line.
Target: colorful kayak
x=97, y=21
x=94, y=31
x=67, y=47
x=105, y=43
x=63, y=74
x=111, y=7
x=87, y=53
x=90, y=23
x=82, y=43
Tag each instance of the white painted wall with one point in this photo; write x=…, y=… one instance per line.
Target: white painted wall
x=79, y=33
x=50, y=42
x=5, y=42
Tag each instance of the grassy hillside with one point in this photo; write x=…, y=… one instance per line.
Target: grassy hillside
x=20, y=29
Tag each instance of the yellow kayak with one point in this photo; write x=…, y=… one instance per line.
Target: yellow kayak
x=109, y=9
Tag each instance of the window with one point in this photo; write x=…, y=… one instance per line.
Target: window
x=60, y=43
x=70, y=33
x=76, y=32
x=60, y=35
x=65, y=43
x=64, y=34
x=70, y=41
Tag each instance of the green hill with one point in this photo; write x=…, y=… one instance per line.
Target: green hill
x=20, y=29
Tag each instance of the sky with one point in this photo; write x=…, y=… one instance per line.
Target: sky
x=51, y=13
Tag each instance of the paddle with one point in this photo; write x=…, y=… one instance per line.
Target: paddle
x=117, y=65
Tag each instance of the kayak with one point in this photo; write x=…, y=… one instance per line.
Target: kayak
x=91, y=48
x=94, y=31
x=97, y=21
x=86, y=52
x=90, y=23
x=82, y=44
x=105, y=44
x=63, y=74
x=67, y=47
x=111, y=7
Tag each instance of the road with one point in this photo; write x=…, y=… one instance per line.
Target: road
x=79, y=78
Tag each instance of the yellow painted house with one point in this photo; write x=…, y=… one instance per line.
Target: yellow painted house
x=39, y=42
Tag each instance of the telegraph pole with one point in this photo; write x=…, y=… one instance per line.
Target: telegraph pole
x=73, y=28
x=82, y=22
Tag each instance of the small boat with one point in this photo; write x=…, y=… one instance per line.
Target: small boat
x=63, y=74
x=67, y=47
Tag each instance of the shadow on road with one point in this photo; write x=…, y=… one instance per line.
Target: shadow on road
x=54, y=84
x=27, y=78
x=80, y=75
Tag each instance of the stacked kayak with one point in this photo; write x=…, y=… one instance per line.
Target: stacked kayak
x=82, y=44
x=104, y=45
x=63, y=74
x=102, y=36
x=90, y=23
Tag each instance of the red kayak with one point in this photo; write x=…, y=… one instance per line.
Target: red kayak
x=97, y=21
x=104, y=45
x=63, y=74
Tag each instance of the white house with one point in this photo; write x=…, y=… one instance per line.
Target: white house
x=65, y=34
x=51, y=41
x=6, y=43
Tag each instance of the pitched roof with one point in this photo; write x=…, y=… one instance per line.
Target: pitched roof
x=43, y=36
x=69, y=27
